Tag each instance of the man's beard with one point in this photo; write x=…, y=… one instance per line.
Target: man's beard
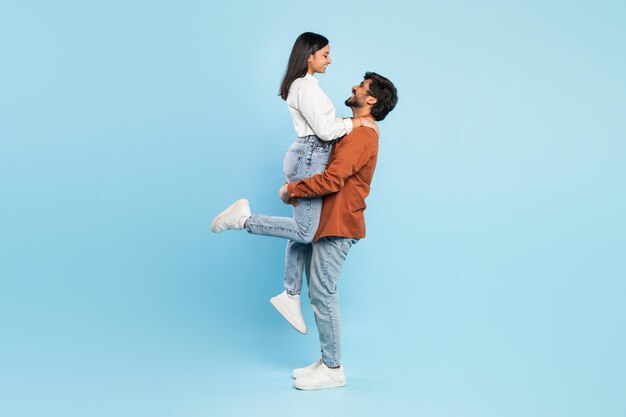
x=351, y=102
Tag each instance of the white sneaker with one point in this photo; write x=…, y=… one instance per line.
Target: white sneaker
x=289, y=307
x=306, y=371
x=322, y=377
x=233, y=218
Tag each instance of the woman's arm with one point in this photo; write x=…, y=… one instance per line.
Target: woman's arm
x=366, y=122
x=319, y=112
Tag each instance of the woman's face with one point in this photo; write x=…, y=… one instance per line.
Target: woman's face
x=319, y=60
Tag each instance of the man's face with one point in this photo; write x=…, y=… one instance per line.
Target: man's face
x=360, y=95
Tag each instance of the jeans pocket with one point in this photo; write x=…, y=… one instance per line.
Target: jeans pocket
x=291, y=163
x=319, y=159
x=342, y=243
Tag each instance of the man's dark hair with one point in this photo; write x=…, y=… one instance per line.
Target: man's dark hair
x=385, y=93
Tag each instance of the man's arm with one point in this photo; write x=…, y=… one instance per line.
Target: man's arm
x=350, y=155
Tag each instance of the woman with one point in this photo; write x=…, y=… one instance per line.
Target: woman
x=316, y=125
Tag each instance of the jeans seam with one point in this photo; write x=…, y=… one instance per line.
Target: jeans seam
x=298, y=232
x=258, y=226
x=330, y=312
x=300, y=254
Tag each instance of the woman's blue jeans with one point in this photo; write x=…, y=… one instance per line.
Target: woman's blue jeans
x=305, y=157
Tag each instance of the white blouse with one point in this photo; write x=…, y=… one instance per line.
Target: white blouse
x=312, y=111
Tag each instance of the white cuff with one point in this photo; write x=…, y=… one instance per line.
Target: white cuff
x=347, y=122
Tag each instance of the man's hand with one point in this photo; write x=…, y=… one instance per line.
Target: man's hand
x=284, y=196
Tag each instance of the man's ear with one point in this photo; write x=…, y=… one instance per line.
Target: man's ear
x=371, y=100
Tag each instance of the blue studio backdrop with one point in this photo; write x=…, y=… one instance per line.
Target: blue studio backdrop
x=491, y=281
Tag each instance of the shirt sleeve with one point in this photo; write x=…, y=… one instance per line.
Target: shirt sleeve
x=349, y=156
x=319, y=113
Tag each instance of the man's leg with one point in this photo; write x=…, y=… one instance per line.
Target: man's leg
x=327, y=258
x=323, y=268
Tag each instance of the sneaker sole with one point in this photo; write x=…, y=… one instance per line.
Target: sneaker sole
x=333, y=385
x=283, y=313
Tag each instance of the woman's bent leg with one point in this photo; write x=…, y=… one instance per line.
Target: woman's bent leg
x=307, y=157
x=314, y=161
x=299, y=228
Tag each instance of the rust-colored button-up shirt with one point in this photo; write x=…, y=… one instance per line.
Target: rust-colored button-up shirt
x=345, y=183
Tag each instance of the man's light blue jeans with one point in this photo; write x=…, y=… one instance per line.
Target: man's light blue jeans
x=306, y=157
x=325, y=259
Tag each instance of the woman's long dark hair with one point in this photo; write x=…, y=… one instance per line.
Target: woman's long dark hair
x=308, y=43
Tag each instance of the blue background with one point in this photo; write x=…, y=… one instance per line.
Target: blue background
x=491, y=282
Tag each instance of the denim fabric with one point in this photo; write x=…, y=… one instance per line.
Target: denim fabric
x=305, y=157
x=324, y=260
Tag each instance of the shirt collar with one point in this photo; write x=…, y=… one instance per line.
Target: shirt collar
x=310, y=77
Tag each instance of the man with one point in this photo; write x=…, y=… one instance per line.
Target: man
x=344, y=184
